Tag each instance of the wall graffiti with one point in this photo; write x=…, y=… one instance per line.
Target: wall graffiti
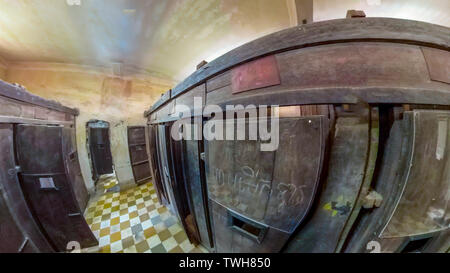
x=251, y=181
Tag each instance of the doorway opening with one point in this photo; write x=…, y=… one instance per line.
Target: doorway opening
x=99, y=151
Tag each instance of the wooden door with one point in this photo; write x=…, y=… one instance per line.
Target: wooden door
x=46, y=186
x=100, y=149
x=138, y=154
x=18, y=230
x=155, y=165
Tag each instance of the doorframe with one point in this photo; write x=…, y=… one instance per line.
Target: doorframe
x=95, y=177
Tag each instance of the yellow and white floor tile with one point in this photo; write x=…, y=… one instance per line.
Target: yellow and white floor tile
x=134, y=221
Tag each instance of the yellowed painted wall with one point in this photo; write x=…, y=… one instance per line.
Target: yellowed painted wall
x=120, y=101
x=2, y=69
x=2, y=73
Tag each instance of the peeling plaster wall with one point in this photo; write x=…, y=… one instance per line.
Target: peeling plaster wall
x=98, y=95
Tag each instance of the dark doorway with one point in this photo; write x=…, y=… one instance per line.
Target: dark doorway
x=99, y=148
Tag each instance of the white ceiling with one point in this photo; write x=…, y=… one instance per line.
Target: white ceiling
x=166, y=37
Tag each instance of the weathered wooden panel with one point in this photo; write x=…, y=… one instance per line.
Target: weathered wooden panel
x=275, y=188
x=48, y=114
x=20, y=94
x=353, y=64
x=332, y=31
x=163, y=99
x=72, y=165
x=46, y=187
x=389, y=183
x=379, y=72
x=10, y=107
x=136, y=135
x=18, y=230
x=229, y=240
x=164, y=161
x=188, y=98
x=141, y=172
x=256, y=74
x=12, y=238
x=339, y=193
x=438, y=62
x=138, y=153
x=219, y=81
x=197, y=191
x=14, y=108
x=423, y=206
x=372, y=156
x=166, y=111
x=153, y=143
x=14, y=199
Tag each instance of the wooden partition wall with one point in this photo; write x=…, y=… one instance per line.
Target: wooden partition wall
x=364, y=126
x=43, y=195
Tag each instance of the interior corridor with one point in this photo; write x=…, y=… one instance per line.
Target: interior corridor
x=133, y=221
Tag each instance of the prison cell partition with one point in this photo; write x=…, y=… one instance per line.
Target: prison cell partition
x=43, y=195
x=363, y=162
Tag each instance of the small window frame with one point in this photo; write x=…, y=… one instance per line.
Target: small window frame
x=257, y=238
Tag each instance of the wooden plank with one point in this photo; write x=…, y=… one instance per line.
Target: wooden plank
x=262, y=72
x=423, y=207
x=9, y=119
x=73, y=170
x=274, y=188
x=341, y=30
x=219, y=81
x=14, y=198
x=41, y=159
x=379, y=73
x=339, y=192
x=395, y=156
x=230, y=241
x=161, y=101
x=196, y=190
x=435, y=95
x=21, y=94
x=368, y=176
x=187, y=99
x=438, y=62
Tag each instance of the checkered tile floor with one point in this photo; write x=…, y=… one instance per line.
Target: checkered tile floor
x=133, y=221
